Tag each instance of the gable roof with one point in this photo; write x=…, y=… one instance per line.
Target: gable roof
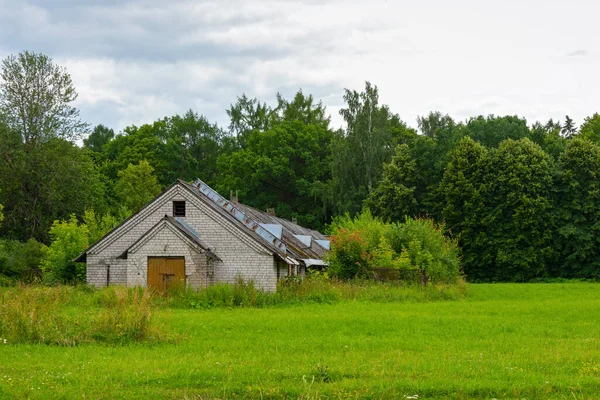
x=188, y=232
x=285, y=239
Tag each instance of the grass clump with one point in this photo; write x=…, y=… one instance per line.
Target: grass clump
x=125, y=317
x=69, y=316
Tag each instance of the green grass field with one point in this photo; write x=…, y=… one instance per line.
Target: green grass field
x=532, y=341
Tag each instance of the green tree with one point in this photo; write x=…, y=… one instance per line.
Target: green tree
x=549, y=138
x=569, y=129
x=396, y=195
x=36, y=97
x=99, y=137
x=590, y=129
x=491, y=131
x=137, y=185
x=519, y=220
x=98, y=225
x=579, y=209
x=49, y=182
x=371, y=135
x=463, y=193
x=285, y=166
x=247, y=115
x=192, y=146
x=69, y=239
x=21, y=260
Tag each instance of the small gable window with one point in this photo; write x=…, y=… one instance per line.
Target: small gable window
x=179, y=208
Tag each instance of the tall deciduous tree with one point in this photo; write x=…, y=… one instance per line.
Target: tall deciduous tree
x=519, y=221
x=247, y=115
x=579, y=209
x=492, y=130
x=36, y=97
x=284, y=166
x=395, y=197
x=99, y=137
x=371, y=135
x=137, y=185
x=590, y=129
x=463, y=198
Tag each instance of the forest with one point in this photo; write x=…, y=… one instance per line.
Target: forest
x=521, y=198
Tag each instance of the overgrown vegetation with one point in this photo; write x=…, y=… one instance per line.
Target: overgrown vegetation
x=69, y=316
x=417, y=248
x=515, y=341
x=318, y=289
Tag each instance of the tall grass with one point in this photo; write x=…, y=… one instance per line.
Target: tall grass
x=317, y=289
x=68, y=316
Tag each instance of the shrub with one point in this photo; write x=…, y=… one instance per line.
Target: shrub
x=415, y=248
x=69, y=239
x=422, y=243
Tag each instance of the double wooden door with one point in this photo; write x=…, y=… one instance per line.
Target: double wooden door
x=165, y=273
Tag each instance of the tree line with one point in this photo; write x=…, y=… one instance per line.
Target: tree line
x=520, y=198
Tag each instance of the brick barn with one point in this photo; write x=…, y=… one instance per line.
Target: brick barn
x=190, y=234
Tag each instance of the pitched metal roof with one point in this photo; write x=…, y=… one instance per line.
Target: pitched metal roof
x=289, y=241
x=286, y=236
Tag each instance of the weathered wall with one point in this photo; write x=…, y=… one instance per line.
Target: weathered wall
x=238, y=252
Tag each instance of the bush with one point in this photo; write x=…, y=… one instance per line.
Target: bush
x=422, y=243
x=416, y=248
x=69, y=239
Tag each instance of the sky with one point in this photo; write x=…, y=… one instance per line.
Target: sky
x=133, y=62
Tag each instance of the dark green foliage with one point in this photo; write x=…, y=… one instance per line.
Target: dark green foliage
x=578, y=209
x=21, y=261
x=463, y=193
x=491, y=131
x=99, y=137
x=396, y=195
x=285, y=166
x=590, y=129
x=51, y=181
x=519, y=221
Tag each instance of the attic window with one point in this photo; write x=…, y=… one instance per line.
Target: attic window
x=179, y=208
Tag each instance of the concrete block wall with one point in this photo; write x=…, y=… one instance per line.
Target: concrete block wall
x=239, y=253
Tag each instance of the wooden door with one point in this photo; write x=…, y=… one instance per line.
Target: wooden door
x=165, y=272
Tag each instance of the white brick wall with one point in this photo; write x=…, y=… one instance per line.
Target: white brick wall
x=238, y=252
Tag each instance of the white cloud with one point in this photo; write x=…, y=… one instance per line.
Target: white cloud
x=138, y=61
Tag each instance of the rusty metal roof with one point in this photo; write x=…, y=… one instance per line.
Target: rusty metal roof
x=293, y=235
x=287, y=237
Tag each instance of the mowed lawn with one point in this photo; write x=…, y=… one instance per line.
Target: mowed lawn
x=503, y=341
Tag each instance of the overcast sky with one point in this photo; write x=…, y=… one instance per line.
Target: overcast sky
x=133, y=62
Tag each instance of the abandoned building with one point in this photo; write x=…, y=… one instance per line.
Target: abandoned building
x=191, y=234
